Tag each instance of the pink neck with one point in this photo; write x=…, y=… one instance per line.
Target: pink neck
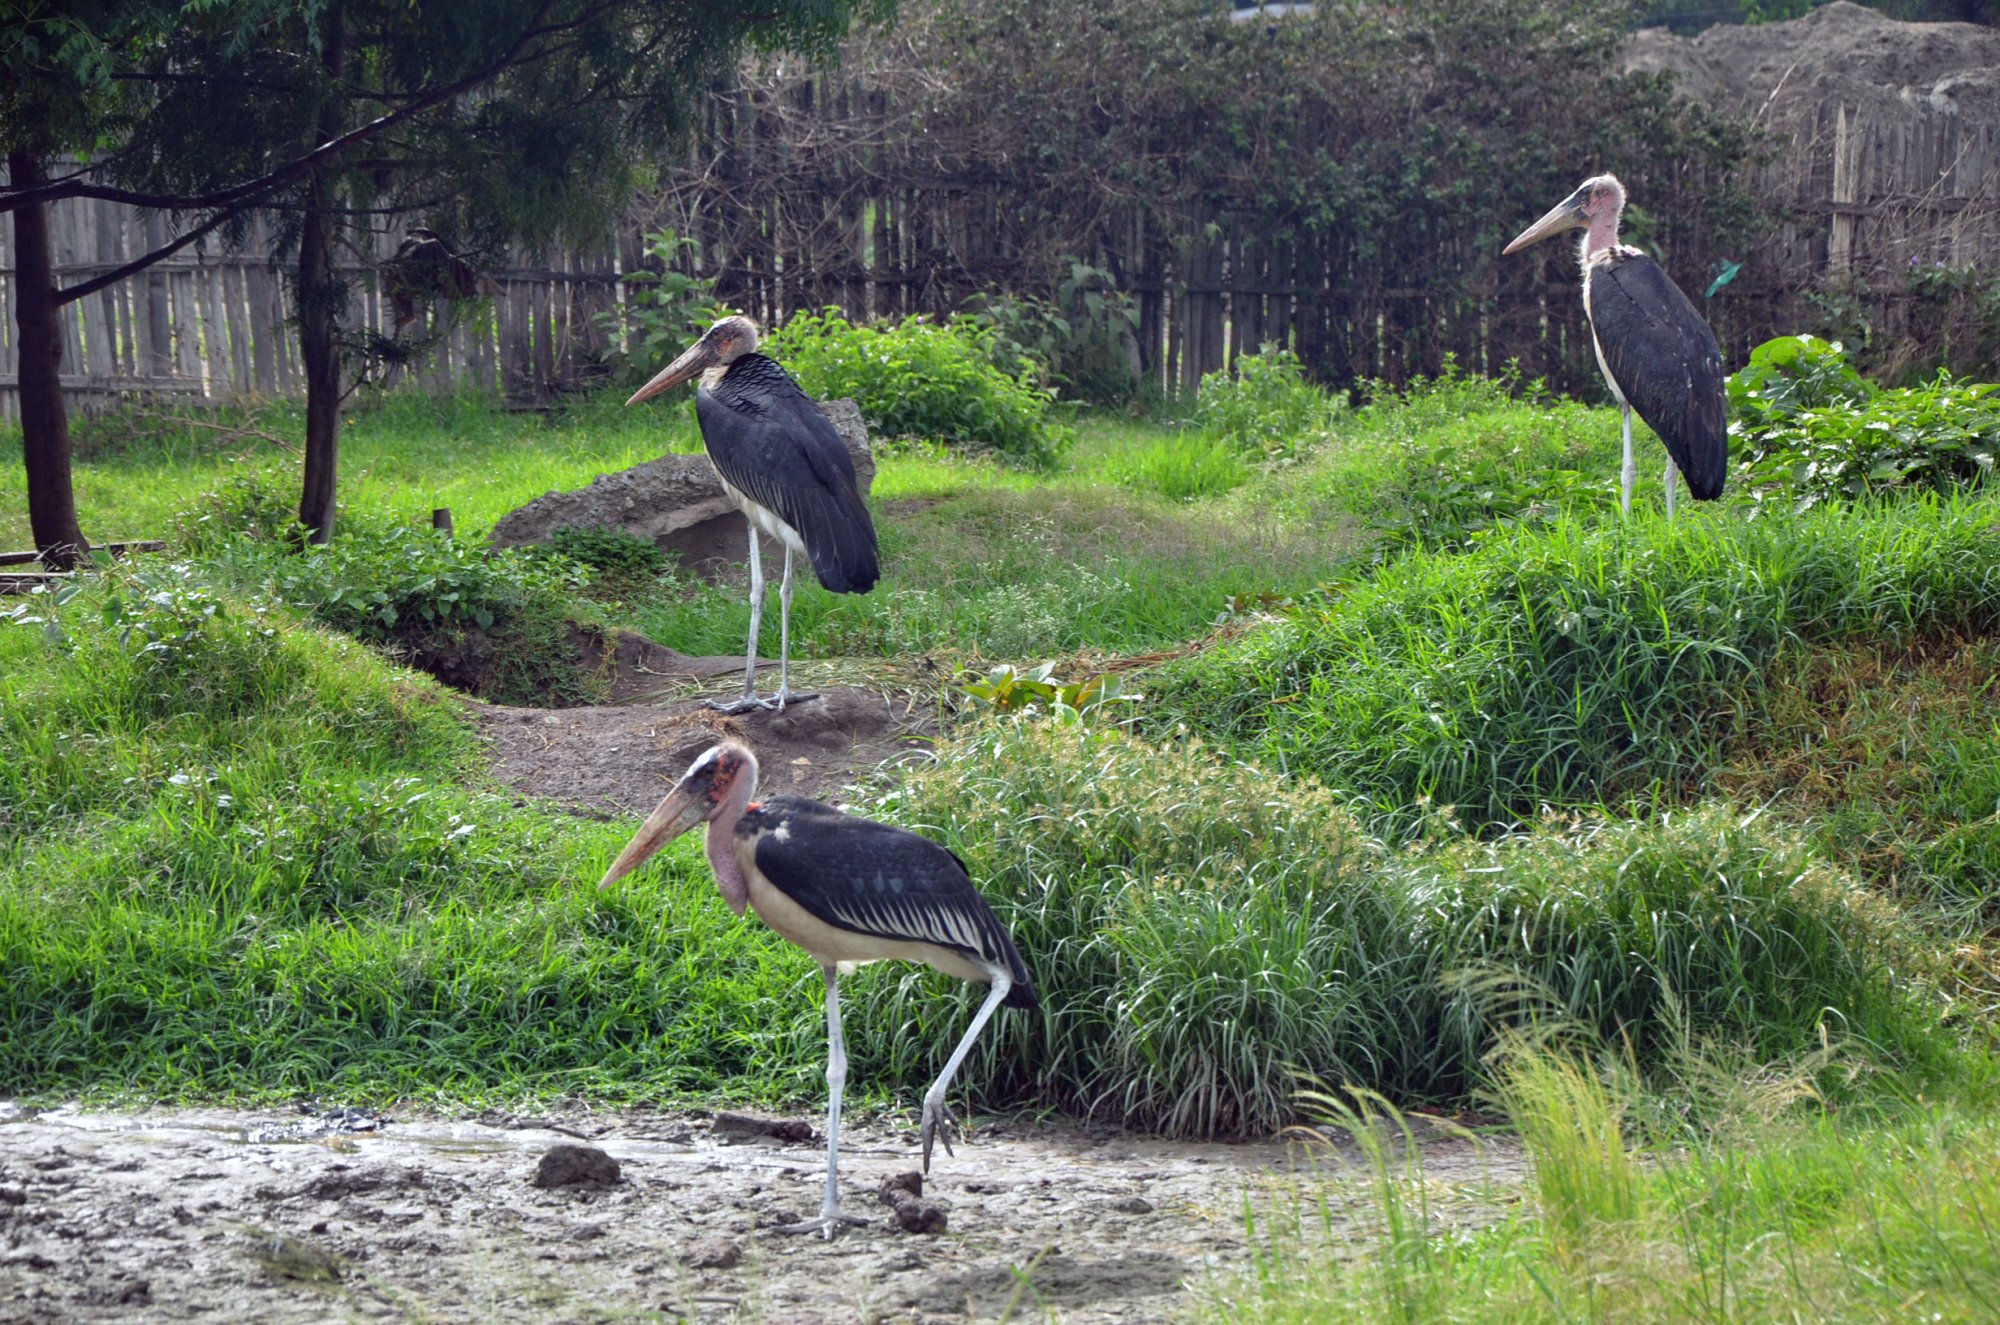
x=1601, y=234
x=722, y=841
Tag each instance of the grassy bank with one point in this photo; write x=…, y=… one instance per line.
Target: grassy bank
x=1581, y=664
x=247, y=862
x=246, y=855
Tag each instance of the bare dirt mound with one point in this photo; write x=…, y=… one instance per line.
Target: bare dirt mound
x=1840, y=52
x=215, y=1215
x=620, y=759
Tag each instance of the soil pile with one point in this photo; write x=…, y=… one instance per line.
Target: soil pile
x=1840, y=53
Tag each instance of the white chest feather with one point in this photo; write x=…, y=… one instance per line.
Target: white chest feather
x=763, y=517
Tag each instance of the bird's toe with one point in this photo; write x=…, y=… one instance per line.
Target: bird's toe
x=938, y=1123
x=826, y=1224
x=747, y=704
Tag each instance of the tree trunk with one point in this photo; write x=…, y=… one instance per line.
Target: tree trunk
x=321, y=303
x=44, y=424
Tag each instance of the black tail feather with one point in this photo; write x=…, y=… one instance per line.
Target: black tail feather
x=844, y=554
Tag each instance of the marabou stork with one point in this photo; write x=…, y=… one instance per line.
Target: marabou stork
x=1657, y=354
x=849, y=891
x=786, y=469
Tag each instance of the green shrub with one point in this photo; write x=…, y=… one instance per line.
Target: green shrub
x=1570, y=664
x=250, y=502
x=1470, y=454
x=621, y=565
x=372, y=580
x=1203, y=934
x=1084, y=337
x=925, y=380
x=1265, y=409
x=1812, y=428
x=611, y=551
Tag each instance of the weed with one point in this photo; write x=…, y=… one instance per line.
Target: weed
x=1265, y=409
x=665, y=309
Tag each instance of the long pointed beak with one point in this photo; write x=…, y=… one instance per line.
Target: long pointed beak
x=674, y=815
x=1565, y=215
x=696, y=357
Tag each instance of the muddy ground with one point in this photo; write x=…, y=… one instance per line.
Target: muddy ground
x=619, y=759
x=216, y=1215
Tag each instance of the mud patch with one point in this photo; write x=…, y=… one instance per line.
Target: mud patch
x=171, y=1216
x=620, y=759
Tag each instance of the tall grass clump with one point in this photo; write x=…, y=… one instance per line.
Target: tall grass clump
x=1796, y=1214
x=1203, y=936
x=1571, y=664
x=1183, y=467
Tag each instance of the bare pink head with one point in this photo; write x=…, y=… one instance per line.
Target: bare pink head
x=721, y=345
x=1594, y=208
x=714, y=790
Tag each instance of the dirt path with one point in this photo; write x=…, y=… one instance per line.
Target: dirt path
x=213, y=1215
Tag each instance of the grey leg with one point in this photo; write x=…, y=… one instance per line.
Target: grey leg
x=1630, y=473
x=749, y=699
x=938, y=1121
x=1673, y=481
x=830, y=1217
x=785, y=638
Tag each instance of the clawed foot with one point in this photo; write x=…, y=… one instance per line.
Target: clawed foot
x=750, y=703
x=826, y=1224
x=938, y=1123
x=747, y=704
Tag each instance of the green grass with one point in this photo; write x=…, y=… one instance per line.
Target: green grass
x=1788, y=1213
x=1579, y=664
x=247, y=864
x=1202, y=935
x=401, y=456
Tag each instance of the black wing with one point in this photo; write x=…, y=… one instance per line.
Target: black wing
x=772, y=443
x=1665, y=359
x=871, y=878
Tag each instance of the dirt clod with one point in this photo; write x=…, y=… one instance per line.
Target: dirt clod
x=575, y=1166
x=914, y=1212
x=713, y=1254
x=352, y=1182
x=750, y=1127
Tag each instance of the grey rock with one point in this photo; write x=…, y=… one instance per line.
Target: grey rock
x=676, y=501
